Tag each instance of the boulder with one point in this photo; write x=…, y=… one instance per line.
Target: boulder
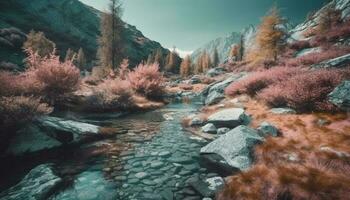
x=195, y=120
x=214, y=97
x=209, y=128
x=38, y=184
x=215, y=71
x=235, y=147
x=48, y=133
x=216, y=91
x=223, y=130
x=283, y=111
x=195, y=79
x=66, y=130
x=31, y=139
x=266, y=129
x=341, y=96
x=229, y=118
x=338, y=62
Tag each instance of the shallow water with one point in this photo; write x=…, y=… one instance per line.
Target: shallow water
x=155, y=159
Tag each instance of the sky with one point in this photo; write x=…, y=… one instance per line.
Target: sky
x=189, y=24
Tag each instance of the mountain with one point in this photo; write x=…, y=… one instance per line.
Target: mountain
x=297, y=33
x=224, y=44
x=69, y=23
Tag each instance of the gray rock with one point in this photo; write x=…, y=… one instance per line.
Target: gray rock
x=209, y=128
x=223, y=130
x=283, y=111
x=195, y=80
x=341, y=96
x=235, y=146
x=214, y=97
x=338, y=62
x=215, y=92
x=305, y=52
x=31, y=139
x=266, y=129
x=215, y=71
x=229, y=118
x=141, y=175
x=157, y=164
x=196, y=121
x=38, y=184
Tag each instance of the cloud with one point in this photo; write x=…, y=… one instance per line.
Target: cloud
x=182, y=53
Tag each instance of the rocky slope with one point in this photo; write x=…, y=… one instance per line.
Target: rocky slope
x=224, y=44
x=298, y=31
x=69, y=23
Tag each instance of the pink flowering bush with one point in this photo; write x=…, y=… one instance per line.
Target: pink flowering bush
x=56, y=78
x=254, y=83
x=305, y=91
x=147, y=80
x=21, y=109
x=111, y=94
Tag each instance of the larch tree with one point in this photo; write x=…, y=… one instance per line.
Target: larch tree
x=158, y=57
x=199, y=64
x=206, y=61
x=70, y=55
x=37, y=42
x=173, y=62
x=234, y=52
x=216, y=59
x=186, y=65
x=81, y=59
x=111, y=48
x=270, y=36
x=150, y=59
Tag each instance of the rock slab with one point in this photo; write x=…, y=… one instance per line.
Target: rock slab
x=341, y=95
x=229, y=118
x=38, y=184
x=235, y=146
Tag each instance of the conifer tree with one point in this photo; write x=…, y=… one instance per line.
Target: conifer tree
x=70, y=54
x=81, y=59
x=216, y=58
x=186, y=65
x=270, y=37
x=110, y=50
x=37, y=42
x=329, y=18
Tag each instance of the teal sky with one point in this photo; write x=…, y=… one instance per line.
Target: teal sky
x=188, y=24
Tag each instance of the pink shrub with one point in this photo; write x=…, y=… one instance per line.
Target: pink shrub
x=260, y=80
x=57, y=78
x=22, y=84
x=147, y=80
x=20, y=109
x=317, y=57
x=305, y=91
x=111, y=95
x=299, y=45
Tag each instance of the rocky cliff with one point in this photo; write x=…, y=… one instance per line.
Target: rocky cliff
x=224, y=44
x=69, y=23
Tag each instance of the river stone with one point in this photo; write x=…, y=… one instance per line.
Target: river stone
x=209, y=128
x=235, y=146
x=208, y=187
x=223, y=130
x=283, y=111
x=164, y=153
x=38, y=184
x=341, y=96
x=156, y=164
x=196, y=121
x=167, y=194
x=266, y=129
x=141, y=175
x=229, y=118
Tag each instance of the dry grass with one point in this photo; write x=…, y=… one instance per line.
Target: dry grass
x=309, y=161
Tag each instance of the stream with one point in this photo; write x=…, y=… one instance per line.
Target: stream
x=154, y=158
